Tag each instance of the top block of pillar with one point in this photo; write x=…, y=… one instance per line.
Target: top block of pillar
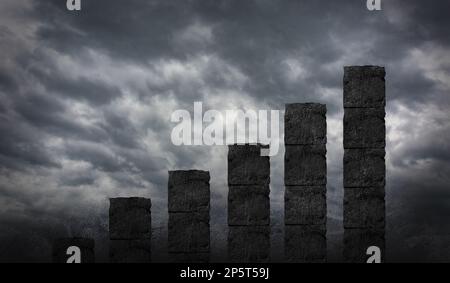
x=364, y=87
x=305, y=124
x=246, y=166
x=130, y=219
x=189, y=191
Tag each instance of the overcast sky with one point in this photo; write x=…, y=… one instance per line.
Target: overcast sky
x=86, y=98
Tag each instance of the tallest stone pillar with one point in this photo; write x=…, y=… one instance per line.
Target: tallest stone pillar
x=364, y=162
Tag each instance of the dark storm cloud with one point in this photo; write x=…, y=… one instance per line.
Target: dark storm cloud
x=71, y=92
x=254, y=35
x=93, y=92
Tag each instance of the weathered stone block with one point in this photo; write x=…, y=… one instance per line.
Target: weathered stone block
x=305, y=124
x=189, y=232
x=86, y=246
x=305, y=165
x=249, y=244
x=182, y=177
x=364, y=87
x=190, y=257
x=305, y=205
x=357, y=241
x=364, y=128
x=305, y=243
x=189, y=191
x=364, y=168
x=246, y=166
x=130, y=218
x=249, y=205
x=364, y=208
x=130, y=251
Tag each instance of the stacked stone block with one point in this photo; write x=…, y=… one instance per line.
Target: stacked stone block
x=130, y=225
x=61, y=252
x=248, y=204
x=364, y=161
x=189, y=205
x=305, y=178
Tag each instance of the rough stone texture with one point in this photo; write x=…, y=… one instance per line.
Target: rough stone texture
x=190, y=257
x=181, y=177
x=249, y=244
x=249, y=205
x=305, y=205
x=189, y=232
x=364, y=208
x=364, y=87
x=356, y=242
x=130, y=251
x=305, y=243
x=86, y=246
x=364, y=168
x=364, y=128
x=130, y=219
x=305, y=124
x=305, y=165
x=189, y=191
x=246, y=166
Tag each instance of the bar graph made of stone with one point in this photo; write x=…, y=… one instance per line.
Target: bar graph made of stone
x=248, y=211
x=248, y=204
x=189, y=206
x=130, y=229
x=364, y=161
x=305, y=178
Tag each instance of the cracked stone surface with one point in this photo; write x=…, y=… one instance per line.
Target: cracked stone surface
x=364, y=168
x=189, y=191
x=249, y=205
x=364, y=128
x=130, y=218
x=305, y=165
x=189, y=232
x=305, y=205
x=130, y=251
x=364, y=87
x=305, y=243
x=249, y=244
x=246, y=166
x=305, y=124
x=364, y=208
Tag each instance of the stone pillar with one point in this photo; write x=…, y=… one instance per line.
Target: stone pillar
x=73, y=250
x=189, y=204
x=305, y=179
x=364, y=161
x=248, y=204
x=130, y=229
